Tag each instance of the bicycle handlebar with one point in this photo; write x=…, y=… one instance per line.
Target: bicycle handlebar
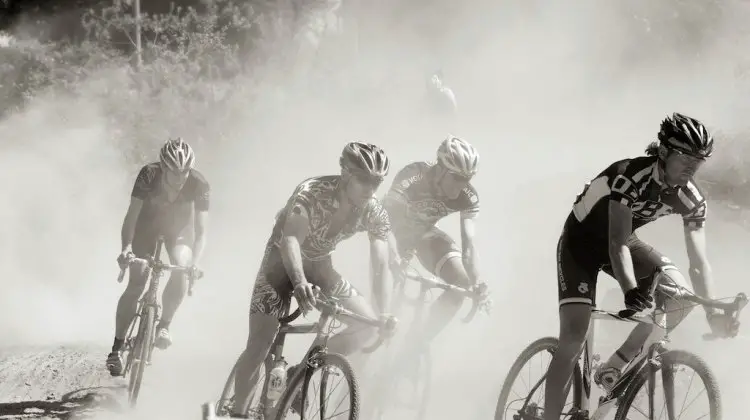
x=427, y=283
x=731, y=309
x=160, y=266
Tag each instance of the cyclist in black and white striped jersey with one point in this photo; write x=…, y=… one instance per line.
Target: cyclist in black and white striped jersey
x=599, y=235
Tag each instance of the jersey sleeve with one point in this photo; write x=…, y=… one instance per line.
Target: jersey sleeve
x=402, y=181
x=301, y=201
x=623, y=190
x=471, y=210
x=144, y=182
x=695, y=204
x=377, y=222
x=202, y=196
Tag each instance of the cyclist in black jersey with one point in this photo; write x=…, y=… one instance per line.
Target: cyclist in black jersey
x=169, y=198
x=599, y=235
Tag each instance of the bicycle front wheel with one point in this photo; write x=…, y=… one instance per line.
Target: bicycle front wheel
x=635, y=404
x=529, y=403
x=335, y=371
x=143, y=343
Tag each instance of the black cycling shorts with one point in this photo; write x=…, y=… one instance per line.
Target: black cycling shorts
x=576, y=277
x=433, y=250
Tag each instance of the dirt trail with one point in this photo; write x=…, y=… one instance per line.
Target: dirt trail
x=56, y=383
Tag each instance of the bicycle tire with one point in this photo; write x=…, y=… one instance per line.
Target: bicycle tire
x=226, y=401
x=424, y=375
x=549, y=344
x=673, y=357
x=142, y=348
x=298, y=383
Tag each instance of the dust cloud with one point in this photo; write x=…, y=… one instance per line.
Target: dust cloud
x=549, y=94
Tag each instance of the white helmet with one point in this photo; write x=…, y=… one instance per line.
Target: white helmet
x=177, y=155
x=458, y=156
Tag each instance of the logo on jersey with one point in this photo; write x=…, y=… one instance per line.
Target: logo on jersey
x=651, y=210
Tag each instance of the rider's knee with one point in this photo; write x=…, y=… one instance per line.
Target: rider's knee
x=136, y=281
x=574, y=324
x=451, y=269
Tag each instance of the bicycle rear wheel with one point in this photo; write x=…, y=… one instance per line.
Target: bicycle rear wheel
x=419, y=376
x=532, y=404
x=296, y=398
x=670, y=361
x=141, y=350
x=227, y=401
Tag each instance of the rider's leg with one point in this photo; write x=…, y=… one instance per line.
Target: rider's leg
x=439, y=254
x=174, y=292
x=576, y=291
x=647, y=263
x=266, y=308
x=143, y=244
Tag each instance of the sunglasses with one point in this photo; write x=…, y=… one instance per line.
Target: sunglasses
x=369, y=180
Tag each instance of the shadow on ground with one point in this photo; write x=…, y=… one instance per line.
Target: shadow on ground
x=81, y=403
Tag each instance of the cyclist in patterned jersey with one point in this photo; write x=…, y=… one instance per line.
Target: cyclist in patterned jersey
x=320, y=213
x=169, y=198
x=599, y=235
x=422, y=193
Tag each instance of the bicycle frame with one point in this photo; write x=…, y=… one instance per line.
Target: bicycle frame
x=644, y=358
x=330, y=310
x=155, y=270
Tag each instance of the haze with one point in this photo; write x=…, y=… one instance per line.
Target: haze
x=550, y=94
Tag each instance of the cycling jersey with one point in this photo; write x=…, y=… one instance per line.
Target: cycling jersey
x=158, y=214
x=415, y=206
x=636, y=184
x=317, y=199
x=583, y=248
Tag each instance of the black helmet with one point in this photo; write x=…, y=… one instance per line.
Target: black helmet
x=687, y=135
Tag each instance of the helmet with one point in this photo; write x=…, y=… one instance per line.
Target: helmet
x=687, y=135
x=177, y=155
x=458, y=156
x=365, y=158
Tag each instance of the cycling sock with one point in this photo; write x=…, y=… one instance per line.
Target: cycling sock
x=617, y=360
x=163, y=324
x=117, y=345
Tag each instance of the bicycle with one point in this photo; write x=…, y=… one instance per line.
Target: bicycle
x=640, y=370
x=139, y=346
x=317, y=358
x=419, y=372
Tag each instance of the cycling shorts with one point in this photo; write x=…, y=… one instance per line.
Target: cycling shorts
x=146, y=238
x=577, y=274
x=433, y=250
x=272, y=293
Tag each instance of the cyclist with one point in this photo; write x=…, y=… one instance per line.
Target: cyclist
x=599, y=235
x=422, y=193
x=440, y=100
x=321, y=212
x=167, y=194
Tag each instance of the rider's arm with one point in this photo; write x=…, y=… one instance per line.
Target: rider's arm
x=620, y=229
x=700, y=269
x=468, y=229
x=381, y=286
x=128, y=225
x=200, y=221
x=295, y=230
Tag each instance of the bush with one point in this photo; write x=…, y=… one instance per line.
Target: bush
x=223, y=46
